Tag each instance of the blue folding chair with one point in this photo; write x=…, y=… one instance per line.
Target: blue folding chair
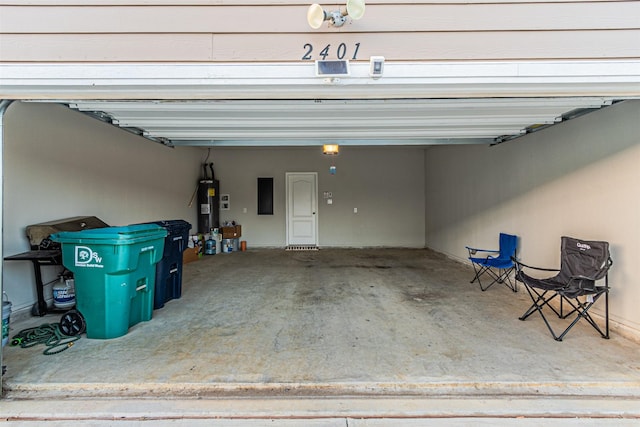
x=496, y=264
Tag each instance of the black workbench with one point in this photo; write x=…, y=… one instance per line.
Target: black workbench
x=39, y=258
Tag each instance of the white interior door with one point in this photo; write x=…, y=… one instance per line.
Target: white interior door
x=302, y=207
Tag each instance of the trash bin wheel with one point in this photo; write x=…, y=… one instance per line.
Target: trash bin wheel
x=72, y=323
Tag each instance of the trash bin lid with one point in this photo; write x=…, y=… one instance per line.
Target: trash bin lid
x=112, y=235
x=174, y=226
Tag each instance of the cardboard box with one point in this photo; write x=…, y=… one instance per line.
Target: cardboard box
x=190, y=255
x=231, y=232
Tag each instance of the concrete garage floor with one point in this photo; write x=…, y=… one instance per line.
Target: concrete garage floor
x=333, y=337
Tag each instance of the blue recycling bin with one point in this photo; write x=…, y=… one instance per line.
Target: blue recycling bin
x=169, y=269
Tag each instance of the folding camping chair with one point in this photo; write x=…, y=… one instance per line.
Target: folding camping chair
x=582, y=264
x=497, y=267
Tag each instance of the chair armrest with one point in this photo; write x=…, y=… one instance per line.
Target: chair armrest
x=520, y=264
x=476, y=250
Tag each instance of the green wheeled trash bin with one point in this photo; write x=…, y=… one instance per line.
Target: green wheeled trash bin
x=114, y=270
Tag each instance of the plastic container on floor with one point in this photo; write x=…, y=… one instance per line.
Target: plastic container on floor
x=114, y=270
x=227, y=246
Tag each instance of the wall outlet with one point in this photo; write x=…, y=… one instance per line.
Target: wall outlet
x=355, y=210
x=244, y=210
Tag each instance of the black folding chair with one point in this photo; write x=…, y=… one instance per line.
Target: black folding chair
x=582, y=264
x=497, y=264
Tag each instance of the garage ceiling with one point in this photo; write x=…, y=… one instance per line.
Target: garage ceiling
x=347, y=122
x=288, y=104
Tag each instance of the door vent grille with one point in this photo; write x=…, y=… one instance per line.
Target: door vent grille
x=302, y=248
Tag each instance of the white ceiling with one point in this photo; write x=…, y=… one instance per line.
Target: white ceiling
x=348, y=122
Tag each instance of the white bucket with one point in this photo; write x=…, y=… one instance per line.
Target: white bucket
x=6, y=314
x=64, y=294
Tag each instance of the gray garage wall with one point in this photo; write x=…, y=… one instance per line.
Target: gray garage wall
x=59, y=163
x=385, y=184
x=579, y=178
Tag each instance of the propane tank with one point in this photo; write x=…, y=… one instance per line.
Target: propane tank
x=64, y=293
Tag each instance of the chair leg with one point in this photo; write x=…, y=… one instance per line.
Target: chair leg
x=503, y=276
x=582, y=312
x=479, y=271
x=508, y=281
x=494, y=276
x=581, y=309
x=606, y=307
x=539, y=301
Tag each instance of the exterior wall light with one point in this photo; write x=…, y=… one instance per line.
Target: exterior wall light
x=316, y=15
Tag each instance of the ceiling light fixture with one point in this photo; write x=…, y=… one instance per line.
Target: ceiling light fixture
x=330, y=149
x=316, y=15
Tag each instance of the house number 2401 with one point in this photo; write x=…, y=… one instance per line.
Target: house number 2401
x=340, y=52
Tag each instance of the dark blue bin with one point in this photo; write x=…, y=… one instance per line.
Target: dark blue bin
x=169, y=269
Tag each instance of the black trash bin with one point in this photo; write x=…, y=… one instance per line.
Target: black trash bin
x=169, y=269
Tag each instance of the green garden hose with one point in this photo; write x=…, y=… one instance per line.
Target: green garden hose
x=48, y=334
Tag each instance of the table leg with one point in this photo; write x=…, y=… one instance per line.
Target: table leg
x=40, y=307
